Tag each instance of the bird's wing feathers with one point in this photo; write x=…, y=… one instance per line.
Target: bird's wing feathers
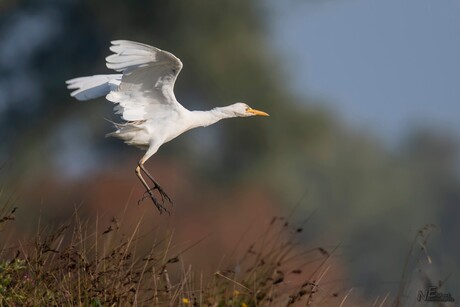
x=147, y=85
x=85, y=88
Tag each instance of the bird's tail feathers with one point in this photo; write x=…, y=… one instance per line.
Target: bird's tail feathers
x=127, y=132
x=91, y=87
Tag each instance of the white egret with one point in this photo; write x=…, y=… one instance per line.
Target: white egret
x=143, y=95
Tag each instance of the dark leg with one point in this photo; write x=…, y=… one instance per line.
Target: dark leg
x=157, y=185
x=149, y=191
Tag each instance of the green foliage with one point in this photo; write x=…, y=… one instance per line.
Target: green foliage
x=11, y=274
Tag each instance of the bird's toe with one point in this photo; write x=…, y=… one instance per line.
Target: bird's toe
x=163, y=194
x=149, y=194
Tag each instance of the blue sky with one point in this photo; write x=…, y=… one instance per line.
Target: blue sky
x=383, y=65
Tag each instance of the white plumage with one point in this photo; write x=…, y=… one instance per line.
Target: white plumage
x=143, y=94
x=87, y=88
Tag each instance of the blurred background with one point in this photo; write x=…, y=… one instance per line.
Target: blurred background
x=362, y=141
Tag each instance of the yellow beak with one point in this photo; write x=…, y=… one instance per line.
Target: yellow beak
x=257, y=112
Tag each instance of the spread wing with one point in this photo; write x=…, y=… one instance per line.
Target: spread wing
x=147, y=84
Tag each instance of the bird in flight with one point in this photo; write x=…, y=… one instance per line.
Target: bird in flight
x=143, y=94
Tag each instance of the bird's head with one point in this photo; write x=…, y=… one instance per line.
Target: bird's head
x=241, y=109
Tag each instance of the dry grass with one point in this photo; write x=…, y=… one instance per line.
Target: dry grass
x=81, y=263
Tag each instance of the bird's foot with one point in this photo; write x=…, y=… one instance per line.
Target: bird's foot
x=149, y=194
x=162, y=194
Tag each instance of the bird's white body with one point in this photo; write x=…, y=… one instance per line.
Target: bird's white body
x=143, y=94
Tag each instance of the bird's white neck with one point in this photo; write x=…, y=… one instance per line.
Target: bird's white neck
x=206, y=118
